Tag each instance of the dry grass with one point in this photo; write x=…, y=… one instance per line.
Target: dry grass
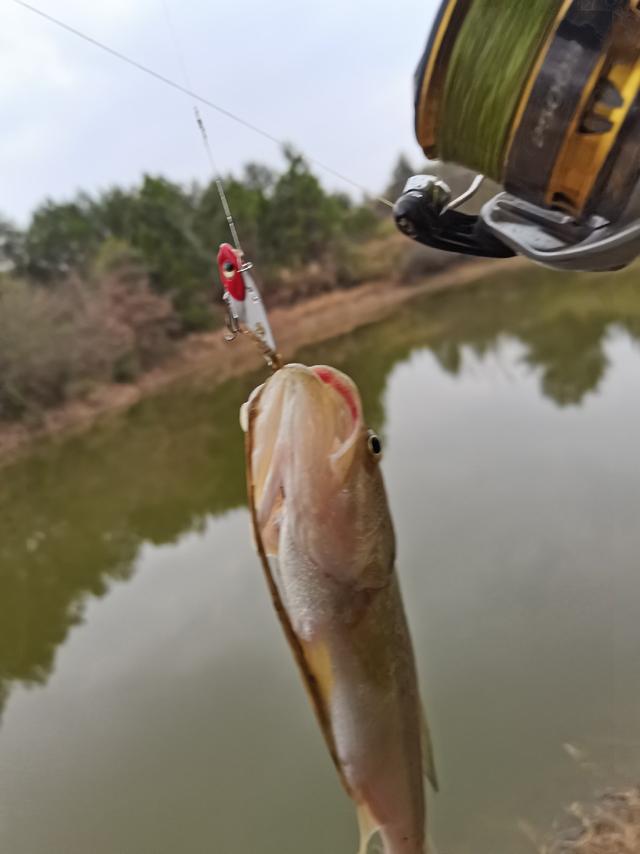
x=58, y=342
x=612, y=826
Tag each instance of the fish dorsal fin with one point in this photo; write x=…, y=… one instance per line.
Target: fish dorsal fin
x=368, y=827
x=428, y=757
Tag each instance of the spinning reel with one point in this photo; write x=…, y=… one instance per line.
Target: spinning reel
x=570, y=158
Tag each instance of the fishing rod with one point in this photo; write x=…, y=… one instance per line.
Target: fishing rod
x=217, y=176
x=543, y=97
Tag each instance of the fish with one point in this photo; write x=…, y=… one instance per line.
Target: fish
x=325, y=538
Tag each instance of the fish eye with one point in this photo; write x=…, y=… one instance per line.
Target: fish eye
x=374, y=444
x=228, y=269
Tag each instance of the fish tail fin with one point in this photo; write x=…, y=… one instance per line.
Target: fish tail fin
x=368, y=827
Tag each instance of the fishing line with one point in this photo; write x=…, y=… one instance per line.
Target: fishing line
x=177, y=44
x=186, y=90
x=249, y=317
x=498, y=44
x=219, y=183
x=217, y=175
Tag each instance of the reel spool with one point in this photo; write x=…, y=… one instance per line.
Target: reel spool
x=542, y=96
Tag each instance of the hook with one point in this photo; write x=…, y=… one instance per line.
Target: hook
x=232, y=322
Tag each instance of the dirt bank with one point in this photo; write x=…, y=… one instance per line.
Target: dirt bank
x=309, y=322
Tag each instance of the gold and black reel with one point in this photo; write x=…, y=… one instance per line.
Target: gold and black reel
x=542, y=96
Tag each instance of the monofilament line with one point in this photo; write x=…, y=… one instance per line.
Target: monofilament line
x=217, y=175
x=219, y=183
x=186, y=90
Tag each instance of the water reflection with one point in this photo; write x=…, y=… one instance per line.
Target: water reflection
x=562, y=320
x=73, y=517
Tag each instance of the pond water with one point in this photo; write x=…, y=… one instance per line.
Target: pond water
x=148, y=701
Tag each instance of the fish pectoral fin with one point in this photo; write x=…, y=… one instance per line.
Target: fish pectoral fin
x=427, y=753
x=317, y=669
x=368, y=827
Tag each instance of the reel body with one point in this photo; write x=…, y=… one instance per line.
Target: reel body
x=570, y=160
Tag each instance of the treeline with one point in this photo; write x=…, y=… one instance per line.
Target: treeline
x=99, y=288
x=286, y=220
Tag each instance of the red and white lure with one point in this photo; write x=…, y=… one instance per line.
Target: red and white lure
x=245, y=307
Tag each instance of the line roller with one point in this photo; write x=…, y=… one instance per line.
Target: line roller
x=543, y=97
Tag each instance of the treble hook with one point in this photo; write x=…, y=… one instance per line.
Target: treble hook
x=232, y=321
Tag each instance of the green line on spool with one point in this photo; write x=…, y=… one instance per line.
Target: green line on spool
x=494, y=53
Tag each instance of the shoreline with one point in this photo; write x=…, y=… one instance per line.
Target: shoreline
x=309, y=322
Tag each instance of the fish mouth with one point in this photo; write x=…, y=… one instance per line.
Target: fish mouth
x=302, y=428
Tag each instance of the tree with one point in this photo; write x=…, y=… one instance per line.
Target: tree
x=302, y=221
x=12, y=252
x=257, y=176
x=248, y=203
x=117, y=211
x=402, y=171
x=158, y=221
x=61, y=238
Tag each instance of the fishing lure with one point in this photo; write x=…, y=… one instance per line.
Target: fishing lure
x=245, y=308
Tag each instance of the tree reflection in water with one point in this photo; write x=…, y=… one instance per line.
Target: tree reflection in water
x=74, y=516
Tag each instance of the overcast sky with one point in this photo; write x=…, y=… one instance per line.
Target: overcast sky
x=332, y=76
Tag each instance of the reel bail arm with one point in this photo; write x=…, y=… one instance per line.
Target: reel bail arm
x=509, y=226
x=426, y=214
